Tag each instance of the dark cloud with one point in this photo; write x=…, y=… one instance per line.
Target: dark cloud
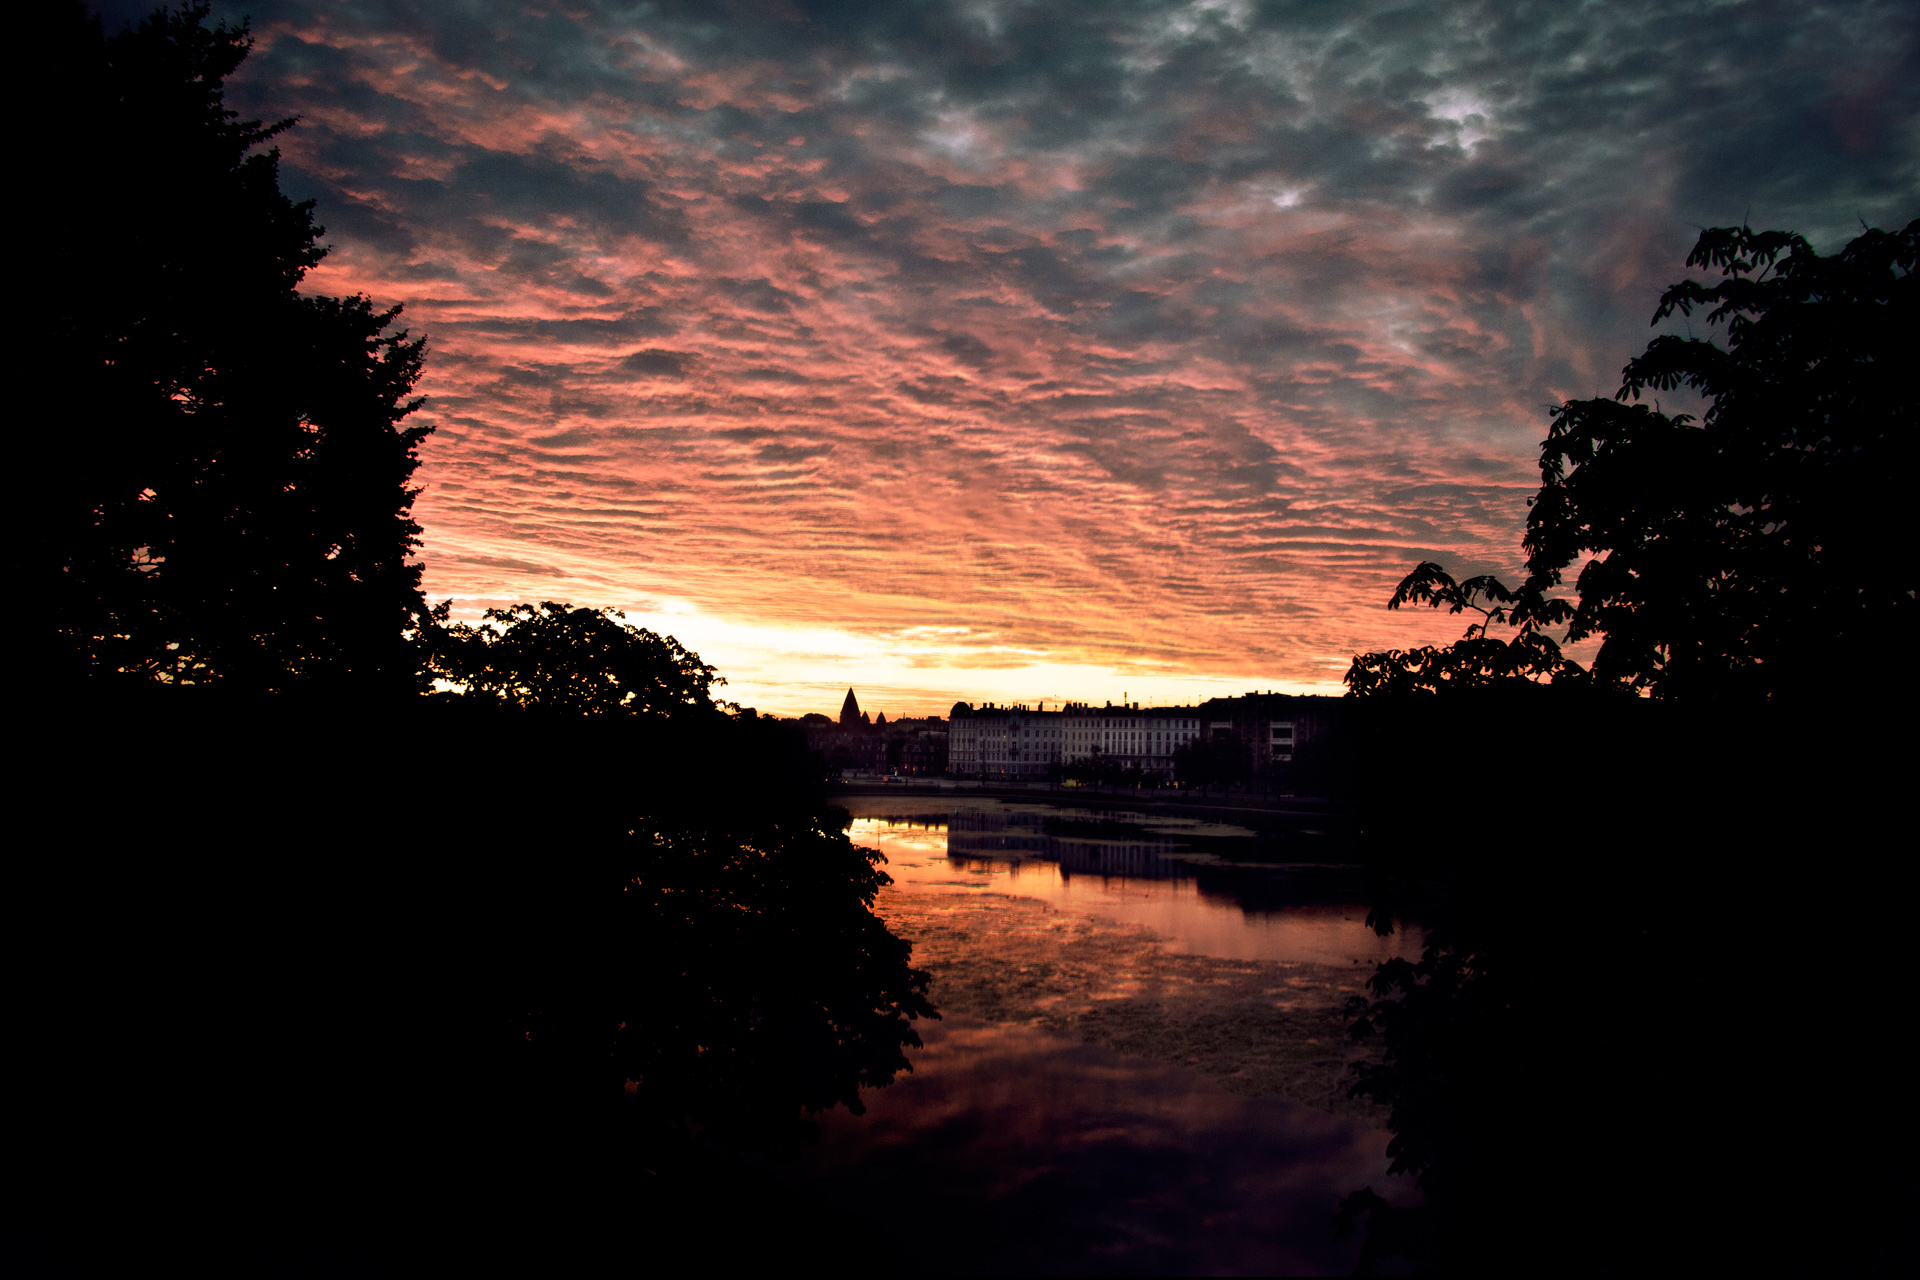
x=755, y=295
x=767, y=373
x=642, y=322
x=658, y=363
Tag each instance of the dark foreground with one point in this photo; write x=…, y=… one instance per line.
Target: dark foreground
x=331, y=988
x=277, y=971
x=1037, y=1155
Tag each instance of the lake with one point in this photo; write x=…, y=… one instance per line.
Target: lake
x=1141, y=1064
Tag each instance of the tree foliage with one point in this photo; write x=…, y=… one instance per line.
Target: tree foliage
x=1732, y=566
x=1477, y=660
x=790, y=989
x=382, y=1033
x=519, y=1033
x=1223, y=760
x=1750, y=551
x=233, y=499
x=1746, y=553
x=578, y=661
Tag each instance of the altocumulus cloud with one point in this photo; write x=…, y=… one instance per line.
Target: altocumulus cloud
x=1155, y=336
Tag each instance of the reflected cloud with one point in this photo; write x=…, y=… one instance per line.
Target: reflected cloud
x=1241, y=976
x=1139, y=882
x=1059, y=1158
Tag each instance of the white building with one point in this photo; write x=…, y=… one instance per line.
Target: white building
x=1129, y=735
x=1015, y=744
x=1020, y=743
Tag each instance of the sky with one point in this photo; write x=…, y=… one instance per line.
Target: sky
x=1036, y=351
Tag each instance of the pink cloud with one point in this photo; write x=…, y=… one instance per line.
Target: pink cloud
x=1180, y=390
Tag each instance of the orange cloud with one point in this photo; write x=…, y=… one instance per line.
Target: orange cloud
x=1060, y=357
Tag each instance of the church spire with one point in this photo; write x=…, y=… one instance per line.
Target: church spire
x=850, y=710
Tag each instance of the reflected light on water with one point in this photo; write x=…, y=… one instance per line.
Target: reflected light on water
x=1061, y=1158
x=1142, y=1063
x=1187, y=918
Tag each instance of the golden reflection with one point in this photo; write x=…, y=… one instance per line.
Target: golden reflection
x=1184, y=919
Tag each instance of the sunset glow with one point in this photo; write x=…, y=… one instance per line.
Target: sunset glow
x=994, y=351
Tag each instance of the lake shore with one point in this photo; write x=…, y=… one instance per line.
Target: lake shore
x=1227, y=808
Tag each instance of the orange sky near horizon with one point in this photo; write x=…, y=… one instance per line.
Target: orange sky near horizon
x=1084, y=353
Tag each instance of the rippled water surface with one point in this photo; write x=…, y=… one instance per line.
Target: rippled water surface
x=1142, y=1064
x=1134, y=882
x=1046, y=1156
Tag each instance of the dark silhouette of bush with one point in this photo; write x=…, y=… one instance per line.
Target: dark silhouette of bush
x=1476, y=661
x=1749, y=553
x=232, y=500
x=443, y=982
x=1742, y=555
x=317, y=973
x=1641, y=1033
x=1223, y=760
x=559, y=658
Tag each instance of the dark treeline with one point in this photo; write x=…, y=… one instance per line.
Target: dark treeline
x=365, y=988
x=1659, y=1025
x=1654, y=1028
x=344, y=937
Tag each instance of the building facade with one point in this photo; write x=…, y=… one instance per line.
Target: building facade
x=1002, y=744
x=1129, y=735
x=1273, y=725
x=1019, y=743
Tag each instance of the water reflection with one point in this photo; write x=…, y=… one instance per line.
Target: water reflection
x=1050, y=1157
x=1143, y=1064
x=1167, y=875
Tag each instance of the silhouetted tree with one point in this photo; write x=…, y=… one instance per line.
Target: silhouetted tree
x=1751, y=552
x=1206, y=762
x=1733, y=565
x=579, y=661
x=767, y=985
x=1744, y=554
x=1477, y=660
x=217, y=481
x=537, y=1029
x=1192, y=765
x=1321, y=766
x=362, y=1042
x=1085, y=771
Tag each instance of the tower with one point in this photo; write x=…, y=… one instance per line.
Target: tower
x=850, y=711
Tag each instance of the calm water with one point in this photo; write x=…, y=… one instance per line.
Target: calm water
x=1141, y=1067
x=1191, y=898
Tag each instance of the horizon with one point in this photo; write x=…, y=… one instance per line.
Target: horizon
x=1058, y=704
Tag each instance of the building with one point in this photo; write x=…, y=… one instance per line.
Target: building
x=1002, y=744
x=857, y=744
x=1273, y=725
x=1019, y=743
x=1129, y=735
